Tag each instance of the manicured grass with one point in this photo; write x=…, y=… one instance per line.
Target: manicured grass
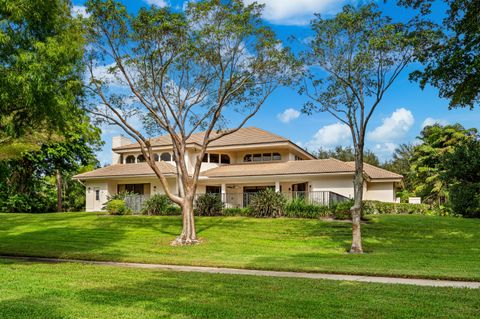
x=414, y=246
x=81, y=291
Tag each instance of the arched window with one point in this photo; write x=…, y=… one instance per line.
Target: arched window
x=166, y=157
x=156, y=158
x=224, y=159
x=140, y=159
x=130, y=159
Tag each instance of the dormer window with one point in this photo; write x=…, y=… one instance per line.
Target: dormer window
x=130, y=159
x=140, y=159
x=166, y=157
x=263, y=157
x=216, y=158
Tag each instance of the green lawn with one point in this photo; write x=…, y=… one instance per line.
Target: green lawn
x=84, y=291
x=421, y=246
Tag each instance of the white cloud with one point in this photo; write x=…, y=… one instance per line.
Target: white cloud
x=297, y=12
x=330, y=135
x=431, y=121
x=80, y=11
x=158, y=3
x=393, y=127
x=288, y=115
x=385, y=150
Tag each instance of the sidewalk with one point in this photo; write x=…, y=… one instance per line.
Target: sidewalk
x=266, y=273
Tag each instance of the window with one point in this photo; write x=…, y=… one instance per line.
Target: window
x=213, y=189
x=205, y=158
x=267, y=157
x=97, y=194
x=224, y=159
x=140, y=159
x=130, y=159
x=135, y=188
x=214, y=158
x=166, y=157
x=156, y=157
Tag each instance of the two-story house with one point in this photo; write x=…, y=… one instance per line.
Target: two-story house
x=236, y=166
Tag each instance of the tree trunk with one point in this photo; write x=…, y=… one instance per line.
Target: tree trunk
x=59, y=191
x=188, y=235
x=356, y=210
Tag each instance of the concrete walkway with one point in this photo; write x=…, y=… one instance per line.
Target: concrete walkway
x=266, y=273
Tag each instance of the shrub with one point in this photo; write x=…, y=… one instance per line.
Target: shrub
x=209, y=204
x=157, y=205
x=267, y=203
x=117, y=207
x=341, y=210
x=299, y=208
x=465, y=199
x=236, y=212
x=117, y=196
x=377, y=207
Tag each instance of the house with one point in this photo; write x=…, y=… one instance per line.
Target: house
x=236, y=166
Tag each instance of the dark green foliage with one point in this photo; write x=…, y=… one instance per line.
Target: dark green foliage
x=117, y=207
x=209, y=204
x=427, y=166
x=41, y=50
x=299, y=208
x=160, y=205
x=451, y=64
x=401, y=164
x=341, y=210
x=462, y=173
x=267, y=203
x=377, y=207
x=347, y=154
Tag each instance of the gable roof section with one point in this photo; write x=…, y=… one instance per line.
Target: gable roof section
x=127, y=170
x=244, y=136
x=323, y=166
x=376, y=172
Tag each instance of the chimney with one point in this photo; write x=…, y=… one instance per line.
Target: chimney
x=118, y=141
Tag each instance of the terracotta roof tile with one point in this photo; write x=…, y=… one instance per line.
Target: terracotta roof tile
x=376, y=172
x=322, y=166
x=244, y=136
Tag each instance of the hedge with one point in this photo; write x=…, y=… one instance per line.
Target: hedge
x=380, y=208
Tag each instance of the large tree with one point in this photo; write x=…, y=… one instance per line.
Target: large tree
x=354, y=58
x=41, y=50
x=210, y=68
x=401, y=163
x=427, y=166
x=347, y=154
x=452, y=64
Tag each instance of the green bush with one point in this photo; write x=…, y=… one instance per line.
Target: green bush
x=157, y=205
x=117, y=207
x=267, y=203
x=341, y=210
x=236, y=212
x=209, y=204
x=299, y=208
x=377, y=207
x=117, y=196
x=465, y=199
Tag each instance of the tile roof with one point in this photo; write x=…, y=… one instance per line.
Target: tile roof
x=244, y=136
x=376, y=172
x=127, y=170
x=322, y=166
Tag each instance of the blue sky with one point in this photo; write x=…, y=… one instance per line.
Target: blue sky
x=399, y=119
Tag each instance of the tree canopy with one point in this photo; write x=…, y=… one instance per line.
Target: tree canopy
x=209, y=67
x=41, y=49
x=347, y=154
x=452, y=62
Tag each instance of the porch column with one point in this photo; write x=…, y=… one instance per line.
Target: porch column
x=224, y=193
x=277, y=186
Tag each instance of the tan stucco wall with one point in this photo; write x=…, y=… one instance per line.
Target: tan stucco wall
x=342, y=185
x=93, y=205
x=382, y=191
